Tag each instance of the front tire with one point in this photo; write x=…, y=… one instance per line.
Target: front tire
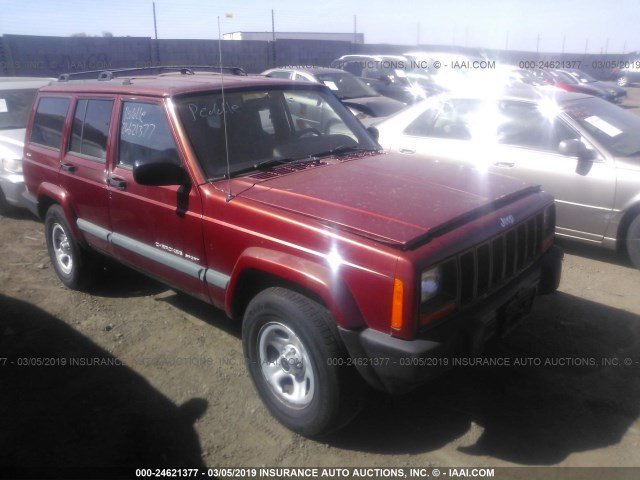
x=297, y=363
x=633, y=241
x=70, y=261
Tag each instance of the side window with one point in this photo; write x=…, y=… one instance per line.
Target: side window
x=523, y=125
x=49, y=121
x=145, y=133
x=91, y=127
x=297, y=76
x=454, y=119
x=280, y=74
x=422, y=125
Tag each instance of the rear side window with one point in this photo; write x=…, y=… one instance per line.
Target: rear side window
x=49, y=121
x=145, y=133
x=91, y=127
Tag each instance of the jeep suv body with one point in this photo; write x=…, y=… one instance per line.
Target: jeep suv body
x=268, y=199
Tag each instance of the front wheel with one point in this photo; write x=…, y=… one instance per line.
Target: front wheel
x=297, y=363
x=633, y=241
x=70, y=261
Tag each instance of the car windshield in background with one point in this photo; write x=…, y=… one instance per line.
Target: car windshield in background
x=582, y=77
x=14, y=107
x=346, y=86
x=267, y=128
x=614, y=127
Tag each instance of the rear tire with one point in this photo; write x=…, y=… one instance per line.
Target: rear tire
x=70, y=261
x=633, y=242
x=298, y=364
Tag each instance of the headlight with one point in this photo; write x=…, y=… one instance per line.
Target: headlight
x=430, y=281
x=12, y=165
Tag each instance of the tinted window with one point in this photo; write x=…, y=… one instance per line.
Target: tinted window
x=49, y=121
x=91, y=127
x=279, y=74
x=144, y=133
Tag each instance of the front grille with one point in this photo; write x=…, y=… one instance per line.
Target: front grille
x=488, y=266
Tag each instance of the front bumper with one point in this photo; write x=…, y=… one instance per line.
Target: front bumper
x=12, y=185
x=396, y=365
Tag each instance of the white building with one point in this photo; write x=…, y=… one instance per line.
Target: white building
x=268, y=36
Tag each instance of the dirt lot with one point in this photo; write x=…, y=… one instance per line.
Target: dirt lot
x=159, y=380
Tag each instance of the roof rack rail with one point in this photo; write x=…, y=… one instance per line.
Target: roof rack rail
x=110, y=74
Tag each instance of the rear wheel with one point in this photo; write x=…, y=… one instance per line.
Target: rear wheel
x=71, y=263
x=297, y=363
x=633, y=241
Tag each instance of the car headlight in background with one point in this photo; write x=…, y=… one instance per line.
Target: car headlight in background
x=12, y=165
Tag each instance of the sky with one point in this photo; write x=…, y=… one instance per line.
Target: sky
x=570, y=26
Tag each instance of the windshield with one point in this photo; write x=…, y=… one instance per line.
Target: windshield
x=617, y=129
x=14, y=107
x=583, y=77
x=267, y=128
x=345, y=85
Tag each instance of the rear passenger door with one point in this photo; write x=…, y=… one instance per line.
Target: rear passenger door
x=155, y=228
x=83, y=168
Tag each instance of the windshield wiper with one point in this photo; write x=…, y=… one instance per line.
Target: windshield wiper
x=342, y=150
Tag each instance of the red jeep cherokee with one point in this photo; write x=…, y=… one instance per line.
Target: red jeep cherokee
x=268, y=199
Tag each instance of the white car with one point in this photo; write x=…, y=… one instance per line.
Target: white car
x=582, y=149
x=16, y=98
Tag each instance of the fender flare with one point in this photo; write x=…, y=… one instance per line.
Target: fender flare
x=59, y=196
x=309, y=275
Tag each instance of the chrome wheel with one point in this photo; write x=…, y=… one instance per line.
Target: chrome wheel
x=286, y=365
x=62, y=249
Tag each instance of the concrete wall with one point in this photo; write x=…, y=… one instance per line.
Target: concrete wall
x=22, y=55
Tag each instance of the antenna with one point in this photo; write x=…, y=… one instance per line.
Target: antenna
x=224, y=117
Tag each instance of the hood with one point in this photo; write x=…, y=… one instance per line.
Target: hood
x=377, y=106
x=395, y=199
x=12, y=142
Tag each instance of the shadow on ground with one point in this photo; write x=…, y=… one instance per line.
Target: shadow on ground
x=98, y=415
x=572, y=393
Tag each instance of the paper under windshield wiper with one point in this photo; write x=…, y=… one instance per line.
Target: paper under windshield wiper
x=341, y=150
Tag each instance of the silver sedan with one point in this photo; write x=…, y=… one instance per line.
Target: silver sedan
x=582, y=149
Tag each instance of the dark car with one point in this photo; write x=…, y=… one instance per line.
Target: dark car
x=343, y=264
x=361, y=99
x=613, y=92
x=390, y=75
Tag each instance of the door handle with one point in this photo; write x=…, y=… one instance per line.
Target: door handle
x=406, y=150
x=119, y=183
x=68, y=167
x=505, y=164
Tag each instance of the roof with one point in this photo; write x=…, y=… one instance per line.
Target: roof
x=164, y=85
x=311, y=70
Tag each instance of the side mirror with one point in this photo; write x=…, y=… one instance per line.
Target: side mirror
x=575, y=148
x=159, y=171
